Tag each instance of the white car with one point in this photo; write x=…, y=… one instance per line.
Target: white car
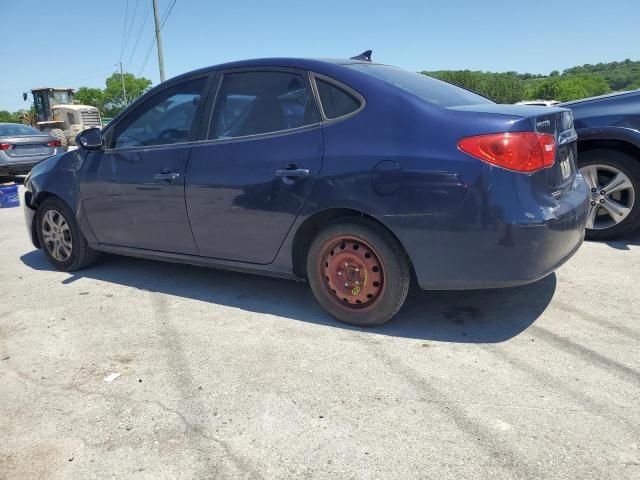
x=539, y=103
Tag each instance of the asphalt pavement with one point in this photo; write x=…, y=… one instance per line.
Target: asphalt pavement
x=232, y=376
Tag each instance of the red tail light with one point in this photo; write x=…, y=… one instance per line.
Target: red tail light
x=518, y=151
x=5, y=146
x=54, y=143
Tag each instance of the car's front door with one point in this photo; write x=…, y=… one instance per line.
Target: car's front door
x=133, y=191
x=247, y=183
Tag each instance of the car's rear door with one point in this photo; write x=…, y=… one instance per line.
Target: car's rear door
x=247, y=182
x=133, y=191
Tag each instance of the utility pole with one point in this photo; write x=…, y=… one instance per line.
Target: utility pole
x=124, y=91
x=158, y=40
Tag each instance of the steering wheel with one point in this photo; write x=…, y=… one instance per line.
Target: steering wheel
x=170, y=134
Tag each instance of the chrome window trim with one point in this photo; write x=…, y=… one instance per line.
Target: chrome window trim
x=326, y=120
x=194, y=143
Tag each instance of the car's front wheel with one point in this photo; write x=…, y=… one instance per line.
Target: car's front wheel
x=613, y=178
x=358, y=272
x=60, y=237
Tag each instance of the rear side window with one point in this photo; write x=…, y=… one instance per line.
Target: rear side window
x=428, y=88
x=251, y=103
x=336, y=102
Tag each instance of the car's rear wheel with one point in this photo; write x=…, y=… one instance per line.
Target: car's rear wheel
x=60, y=237
x=613, y=178
x=358, y=272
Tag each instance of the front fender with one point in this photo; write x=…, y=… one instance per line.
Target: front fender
x=58, y=176
x=624, y=134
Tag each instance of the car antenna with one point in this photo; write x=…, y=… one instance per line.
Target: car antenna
x=364, y=56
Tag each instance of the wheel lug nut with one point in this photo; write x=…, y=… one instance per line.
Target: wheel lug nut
x=603, y=192
x=340, y=273
x=593, y=203
x=602, y=200
x=594, y=190
x=346, y=284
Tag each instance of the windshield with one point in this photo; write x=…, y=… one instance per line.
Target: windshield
x=60, y=97
x=17, y=130
x=428, y=88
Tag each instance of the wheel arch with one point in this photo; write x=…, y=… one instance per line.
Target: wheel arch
x=314, y=224
x=623, y=146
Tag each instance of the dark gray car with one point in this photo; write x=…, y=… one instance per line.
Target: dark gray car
x=22, y=147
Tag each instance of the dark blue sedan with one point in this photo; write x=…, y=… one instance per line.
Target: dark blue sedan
x=358, y=177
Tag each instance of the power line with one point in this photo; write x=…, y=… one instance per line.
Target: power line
x=167, y=14
x=144, y=22
x=124, y=28
x=131, y=24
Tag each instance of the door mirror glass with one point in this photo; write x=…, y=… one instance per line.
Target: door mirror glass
x=90, y=139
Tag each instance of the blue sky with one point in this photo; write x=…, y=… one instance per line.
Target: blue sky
x=52, y=46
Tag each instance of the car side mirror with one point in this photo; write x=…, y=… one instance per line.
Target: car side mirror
x=90, y=139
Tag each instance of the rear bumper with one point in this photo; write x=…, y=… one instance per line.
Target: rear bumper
x=510, y=241
x=20, y=168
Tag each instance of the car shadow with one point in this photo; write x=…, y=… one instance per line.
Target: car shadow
x=624, y=243
x=477, y=316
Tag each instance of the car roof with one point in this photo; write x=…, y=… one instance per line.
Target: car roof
x=601, y=97
x=290, y=62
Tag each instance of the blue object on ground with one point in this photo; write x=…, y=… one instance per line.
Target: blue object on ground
x=9, y=196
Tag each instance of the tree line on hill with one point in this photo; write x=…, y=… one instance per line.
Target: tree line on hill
x=571, y=84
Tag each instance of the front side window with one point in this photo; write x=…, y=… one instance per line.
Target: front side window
x=251, y=103
x=164, y=119
x=336, y=102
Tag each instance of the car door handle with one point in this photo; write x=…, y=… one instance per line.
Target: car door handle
x=166, y=176
x=292, y=172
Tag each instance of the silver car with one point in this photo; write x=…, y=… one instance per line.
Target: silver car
x=22, y=147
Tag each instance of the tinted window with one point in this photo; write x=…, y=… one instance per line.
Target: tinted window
x=15, y=129
x=251, y=103
x=164, y=119
x=428, y=88
x=335, y=101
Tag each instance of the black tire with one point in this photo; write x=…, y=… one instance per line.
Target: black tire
x=395, y=272
x=81, y=255
x=628, y=165
x=59, y=134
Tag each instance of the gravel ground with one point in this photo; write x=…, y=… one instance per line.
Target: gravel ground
x=226, y=376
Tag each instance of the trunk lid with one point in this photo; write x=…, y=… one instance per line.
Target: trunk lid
x=28, y=146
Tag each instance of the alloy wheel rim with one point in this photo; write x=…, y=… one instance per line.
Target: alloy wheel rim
x=57, y=235
x=612, y=195
x=353, y=272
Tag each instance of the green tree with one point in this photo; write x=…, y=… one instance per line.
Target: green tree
x=8, y=117
x=91, y=96
x=501, y=87
x=114, y=100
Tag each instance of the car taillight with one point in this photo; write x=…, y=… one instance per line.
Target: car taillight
x=5, y=146
x=54, y=143
x=519, y=151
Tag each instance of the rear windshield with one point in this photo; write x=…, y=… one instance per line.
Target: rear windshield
x=15, y=129
x=428, y=88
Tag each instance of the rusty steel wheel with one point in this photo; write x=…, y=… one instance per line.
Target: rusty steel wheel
x=353, y=271
x=358, y=271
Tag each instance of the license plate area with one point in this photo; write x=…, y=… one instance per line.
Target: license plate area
x=29, y=150
x=564, y=170
x=565, y=157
